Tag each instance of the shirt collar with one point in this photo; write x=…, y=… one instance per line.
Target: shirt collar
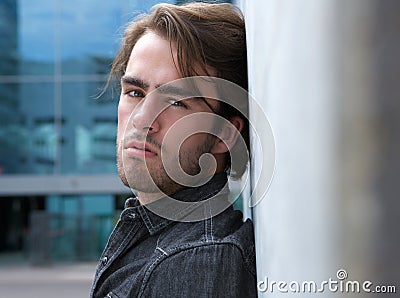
x=155, y=223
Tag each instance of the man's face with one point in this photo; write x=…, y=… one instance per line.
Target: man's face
x=144, y=118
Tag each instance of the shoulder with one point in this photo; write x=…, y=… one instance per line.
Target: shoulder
x=216, y=254
x=207, y=269
x=226, y=230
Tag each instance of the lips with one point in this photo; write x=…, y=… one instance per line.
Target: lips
x=139, y=149
x=140, y=146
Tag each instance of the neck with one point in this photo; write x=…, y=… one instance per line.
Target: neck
x=149, y=197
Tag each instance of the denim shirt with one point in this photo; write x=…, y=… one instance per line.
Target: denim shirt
x=151, y=256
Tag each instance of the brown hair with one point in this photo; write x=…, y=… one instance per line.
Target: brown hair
x=206, y=35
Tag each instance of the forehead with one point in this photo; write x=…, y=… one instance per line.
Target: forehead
x=152, y=60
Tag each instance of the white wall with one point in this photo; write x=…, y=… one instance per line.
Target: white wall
x=326, y=74
x=291, y=55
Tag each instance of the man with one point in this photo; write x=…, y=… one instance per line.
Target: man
x=180, y=237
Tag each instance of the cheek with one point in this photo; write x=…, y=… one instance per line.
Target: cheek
x=194, y=142
x=188, y=134
x=124, y=113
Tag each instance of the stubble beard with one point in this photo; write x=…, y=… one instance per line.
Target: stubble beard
x=151, y=176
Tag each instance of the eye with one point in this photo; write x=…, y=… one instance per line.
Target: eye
x=176, y=103
x=135, y=93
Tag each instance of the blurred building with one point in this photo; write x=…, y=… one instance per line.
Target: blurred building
x=59, y=190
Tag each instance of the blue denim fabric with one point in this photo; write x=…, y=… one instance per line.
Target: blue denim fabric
x=150, y=256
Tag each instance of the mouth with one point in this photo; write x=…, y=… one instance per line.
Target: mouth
x=139, y=149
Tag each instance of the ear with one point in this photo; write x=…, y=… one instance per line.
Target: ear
x=228, y=135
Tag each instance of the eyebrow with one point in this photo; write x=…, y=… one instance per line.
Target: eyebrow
x=135, y=81
x=168, y=89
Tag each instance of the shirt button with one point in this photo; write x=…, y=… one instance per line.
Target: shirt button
x=104, y=261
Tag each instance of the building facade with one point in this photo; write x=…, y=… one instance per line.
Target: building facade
x=57, y=129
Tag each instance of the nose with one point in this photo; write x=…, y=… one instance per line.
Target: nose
x=144, y=117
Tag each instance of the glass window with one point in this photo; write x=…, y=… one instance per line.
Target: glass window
x=55, y=57
x=28, y=132
x=36, y=28
x=89, y=130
